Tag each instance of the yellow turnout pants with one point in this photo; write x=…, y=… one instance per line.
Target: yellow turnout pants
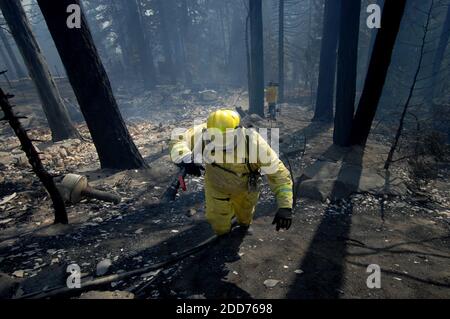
x=221, y=208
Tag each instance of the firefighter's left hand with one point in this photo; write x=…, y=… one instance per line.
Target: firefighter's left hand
x=283, y=219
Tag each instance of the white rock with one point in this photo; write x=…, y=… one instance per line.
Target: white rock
x=19, y=273
x=103, y=267
x=270, y=283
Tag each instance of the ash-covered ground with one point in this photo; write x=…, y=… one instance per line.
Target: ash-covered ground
x=392, y=220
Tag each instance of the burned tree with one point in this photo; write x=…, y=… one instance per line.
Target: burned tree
x=34, y=160
x=17, y=67
x=91, y=85
x=256, y=89
x=54, y=108
x=327, y=69
x=413, y=87
x=346, y=73
x=439, y=56
x=378, y=69
x=6, y=61
x=281, y=51
x=164, y=18
x=140, y=49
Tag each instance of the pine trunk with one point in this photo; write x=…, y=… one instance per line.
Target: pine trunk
x=256, y=59
x=54, y=108
x=346, y=71
x=327, y=69
x=378, y=69
x=92, y=88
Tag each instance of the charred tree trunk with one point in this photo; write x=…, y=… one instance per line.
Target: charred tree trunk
x=327, y=69
x=142, y=57
x=281, y=51
x=378, y=69
x=398, y=135
x=34, y=160
x=185, y=40
x=165, y=41
x=256, y=58
x=439, y=56
x=17, y=67
x=92, y=88
x=346, y=72
x=237, y=49
x=54, y=108
x=373, y=37
x=7, y=63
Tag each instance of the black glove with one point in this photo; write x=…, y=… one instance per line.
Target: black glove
x=283, y=218
x=192, y=169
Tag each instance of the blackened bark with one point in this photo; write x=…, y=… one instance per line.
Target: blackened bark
x=373, y=36
x=185, y=41
x=378, y=69
x=346, y=71
x=327, y=69
x=281, y=51
x=141, y=52
x=256, y=58
x=17, y=67
x=164, y=19
x=7, y=63
x=237, y=49
x=34, y=160
x=439, y=56
x=54, y=108
x=92, y=88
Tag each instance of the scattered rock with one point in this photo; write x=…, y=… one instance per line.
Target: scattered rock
x=7, y=199
x=270, y=283
x=5, y=221
x=208, y=95
x=191, y=212
x=19, y=273
x=103, y=267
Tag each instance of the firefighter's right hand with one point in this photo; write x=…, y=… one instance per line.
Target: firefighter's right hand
x=192, y=169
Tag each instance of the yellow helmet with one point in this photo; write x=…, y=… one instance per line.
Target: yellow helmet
x=223, y=120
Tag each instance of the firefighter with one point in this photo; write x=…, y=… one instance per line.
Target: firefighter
x=272, y=99
x=233, y=170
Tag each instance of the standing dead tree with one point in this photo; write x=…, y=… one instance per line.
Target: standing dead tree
x=281, y=51
x=346, y=71
x=411, y=90
x=20, y=73
x=378, y=70
x=256, y=88
x=90, y=83
x=327, y=69
x=55, y=111
x=33, y=158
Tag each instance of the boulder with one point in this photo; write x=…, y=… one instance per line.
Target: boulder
x=337, y=180
x=208, y=95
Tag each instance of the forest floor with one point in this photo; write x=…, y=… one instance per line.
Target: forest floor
x=324, y=255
